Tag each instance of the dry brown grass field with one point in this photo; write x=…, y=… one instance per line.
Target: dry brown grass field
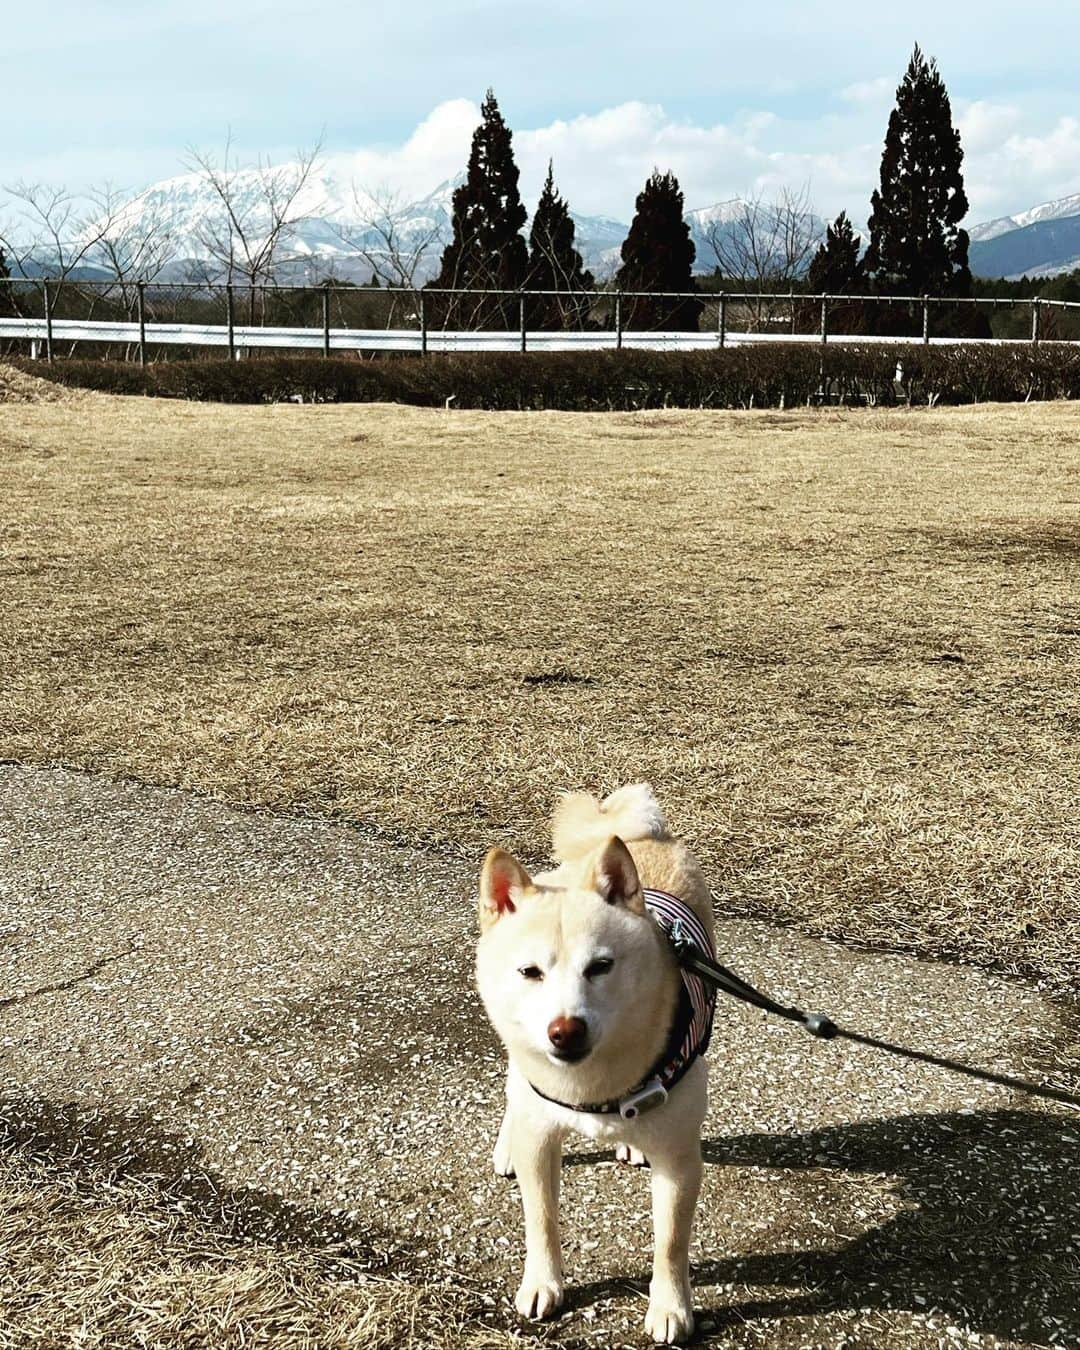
x=110, y=1261
x=843, y=645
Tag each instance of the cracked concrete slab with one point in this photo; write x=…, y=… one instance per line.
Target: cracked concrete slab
x=284, y=1008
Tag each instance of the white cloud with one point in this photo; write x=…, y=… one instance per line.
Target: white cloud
x=872, y=92
x=1052, y=156
x=1011, y=161
x=436, y=150
x=1015, y=155
x=1011, y=172
x=983, y=125
x=602, y=158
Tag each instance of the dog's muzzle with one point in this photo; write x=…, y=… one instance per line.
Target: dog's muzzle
x=569, y=1038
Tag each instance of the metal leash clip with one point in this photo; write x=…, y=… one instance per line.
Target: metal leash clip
x=646, y=1098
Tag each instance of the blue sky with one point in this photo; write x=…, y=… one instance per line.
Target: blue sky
x=734, y=98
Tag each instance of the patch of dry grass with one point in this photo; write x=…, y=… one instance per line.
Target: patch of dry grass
x=112, y=1261
x=18, y=387
x=843, y=646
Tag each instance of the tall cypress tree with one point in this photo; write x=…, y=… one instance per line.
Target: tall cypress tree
x=658, y=255
x=916, y=244
x=487, y=251
x=555, y=264
x=835, y=268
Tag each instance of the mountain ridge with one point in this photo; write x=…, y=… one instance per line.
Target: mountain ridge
x=343, y=231
x=347, y=234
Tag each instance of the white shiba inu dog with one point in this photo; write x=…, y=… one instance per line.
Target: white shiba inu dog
x=603, y=1030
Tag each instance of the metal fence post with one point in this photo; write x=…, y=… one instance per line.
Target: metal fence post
x=926, y=319
x=791, y=302
x=326, y=320
x=521, y=318
x=230, y=318
x=618, y=320
x=1035, y=325
x=423, y=326
x=721, y=318
x=140, y=297
x=824, y=319
x=48, y=320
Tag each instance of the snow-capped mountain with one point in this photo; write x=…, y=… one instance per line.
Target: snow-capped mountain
x=343, y=232
x=715, y=229
x=346, y=233
x=1043, y=249
x=190, y=209
x=990, y=229
x=599, y=240
x=1040, y=242
x=336, y=225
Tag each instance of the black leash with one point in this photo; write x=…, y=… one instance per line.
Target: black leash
x=691, y=957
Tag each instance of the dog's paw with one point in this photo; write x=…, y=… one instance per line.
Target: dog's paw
x=670, y=1320
x=633, y=1157
x=537, y=1299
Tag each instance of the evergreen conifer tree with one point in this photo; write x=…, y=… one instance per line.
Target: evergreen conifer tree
x=835, y=268
x=555, y=264
x=916, y=244
x=487, y=251
x=658, y=255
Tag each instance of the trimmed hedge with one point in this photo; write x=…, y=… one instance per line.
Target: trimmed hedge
x=760, y=376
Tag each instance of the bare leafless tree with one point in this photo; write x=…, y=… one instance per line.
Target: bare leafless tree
x=766, y=246
x=48, y=232
x=395, y=249
x=48, y=229
x=259, y=207
x=19, y=248
x=136, y=241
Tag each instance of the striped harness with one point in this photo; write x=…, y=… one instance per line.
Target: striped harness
x=690, y=1029
x=675, y=917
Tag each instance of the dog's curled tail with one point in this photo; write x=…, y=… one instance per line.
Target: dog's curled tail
x=581, y=823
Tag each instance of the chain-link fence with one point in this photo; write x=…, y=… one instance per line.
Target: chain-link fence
x=143, y=321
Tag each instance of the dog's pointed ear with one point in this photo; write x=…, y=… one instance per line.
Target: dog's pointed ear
x=503, y=881
x=615, y=877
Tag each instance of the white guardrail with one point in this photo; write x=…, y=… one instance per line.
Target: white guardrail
x=411, y=340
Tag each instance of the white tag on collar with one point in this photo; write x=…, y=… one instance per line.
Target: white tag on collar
x=646, y=1098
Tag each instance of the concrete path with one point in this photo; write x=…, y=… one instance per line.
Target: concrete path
x=283, y=1009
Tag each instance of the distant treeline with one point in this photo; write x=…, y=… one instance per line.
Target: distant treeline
x=1065, y=286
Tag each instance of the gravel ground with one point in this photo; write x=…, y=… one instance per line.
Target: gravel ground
x=282, y=1010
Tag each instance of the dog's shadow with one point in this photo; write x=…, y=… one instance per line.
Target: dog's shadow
x=89, y=1146
x=988, y=1237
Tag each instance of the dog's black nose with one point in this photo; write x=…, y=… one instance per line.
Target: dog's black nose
x=568, y=1035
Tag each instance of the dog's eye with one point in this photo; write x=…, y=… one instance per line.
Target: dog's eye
x=531, y=972
x=600, y=966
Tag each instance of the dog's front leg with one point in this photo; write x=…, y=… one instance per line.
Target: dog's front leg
x=536, y=1153
x=676, y=1181
x=500, y=1158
